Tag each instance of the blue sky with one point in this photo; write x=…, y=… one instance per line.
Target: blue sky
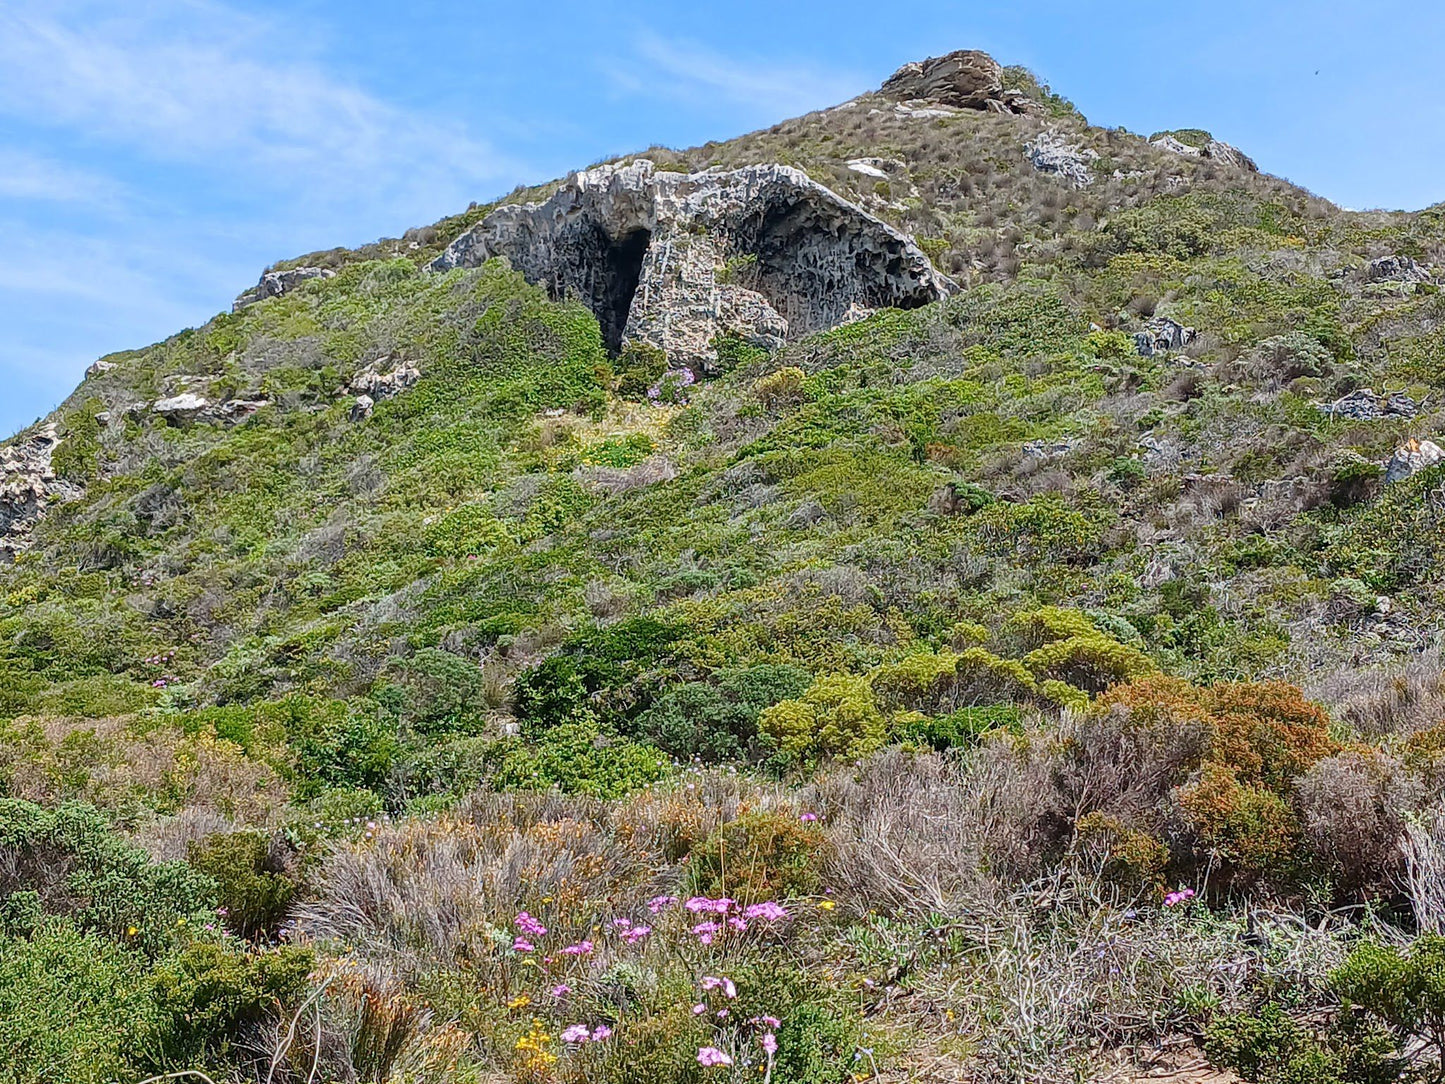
x=156, y=154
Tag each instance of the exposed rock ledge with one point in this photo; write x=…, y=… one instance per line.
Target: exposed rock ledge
x=27, y=488
x=966, y=79
x=276, y=283
x=1215, y=149
x=672, y=260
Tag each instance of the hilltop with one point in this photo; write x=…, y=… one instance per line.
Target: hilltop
x=961, y=527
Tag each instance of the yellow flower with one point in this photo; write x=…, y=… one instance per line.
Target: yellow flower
x=520, y=1002
x=131, y=931
x=826, y=905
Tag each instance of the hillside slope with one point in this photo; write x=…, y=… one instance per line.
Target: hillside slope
x=335, y=573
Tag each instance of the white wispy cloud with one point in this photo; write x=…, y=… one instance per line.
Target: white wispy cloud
x=159, y=152
x=199, y=82
x=780, y=89
x=28, y=176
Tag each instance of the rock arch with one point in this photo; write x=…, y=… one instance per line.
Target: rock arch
x=673, y=260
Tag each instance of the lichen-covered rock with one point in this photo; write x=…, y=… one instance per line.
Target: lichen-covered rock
x=28, y=486
x=1412, y=457
x=674, y=260
x=1364, y=405
x=384, y=378
x=965, y=79
x=1163, y=336
x=183, y=408
x=1053, y=152
x=276, y=283
x=1214, y=149
x=1396, y=269
x=361, y=409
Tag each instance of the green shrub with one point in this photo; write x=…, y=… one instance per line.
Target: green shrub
x=1405, y=990
x=1269, y=1047
x=252, y=894
x=551, y=694
x=577, y=759
x=76, y=867
x=836, y=716
x=209, y=997
x=760, y=856
x=716, y=723
x=72, y=1008
x=961, y=729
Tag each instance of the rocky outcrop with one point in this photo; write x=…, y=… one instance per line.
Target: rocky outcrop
x=384, y=378
x=181, y=409
x=966, y=79
x=1412, y=457
x=1365, y=406
x=1163, y=336
x=276, y=283
x=28, y=486
x=1214, y=149
x=189, y=408
x=1396, y=269
x=672, y=260
x=1053, y=152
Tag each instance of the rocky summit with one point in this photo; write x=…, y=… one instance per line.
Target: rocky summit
x=933, y=590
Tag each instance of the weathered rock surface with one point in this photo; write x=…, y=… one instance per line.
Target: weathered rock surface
x=276, y=283
x=1364, y=405
x=384, y=378
x=673, y=260
x=1163, y=336
x=28, y=486
x=966, y=79
x=1214, y=149
x=1396, y=269
x=188, y=408
x=1412, y=457
x=361, y=409
x=1053, y=152
x=179, y=409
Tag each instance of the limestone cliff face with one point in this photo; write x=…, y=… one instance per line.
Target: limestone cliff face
x=28, y=486
x=672, y=260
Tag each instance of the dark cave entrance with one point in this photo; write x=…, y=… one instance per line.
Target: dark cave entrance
x=612, y=299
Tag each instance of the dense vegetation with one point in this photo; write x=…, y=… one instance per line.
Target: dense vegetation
x=952, y=695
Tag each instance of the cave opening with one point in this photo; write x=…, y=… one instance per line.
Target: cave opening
x=613, y=302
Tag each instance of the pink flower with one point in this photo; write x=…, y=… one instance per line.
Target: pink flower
x=660, y=903
x=767, y=912
x=738, y=923
x=636, y=934
x=561, y=990
x=1182, y=896
x=622, y=924
x=708, y=1056
x=699, y=1009
x=770, y=1043
x=581, y=948
x=771, y=1021
x=726, y=985
x=521, y=944
x=700, y=905
x=529, y=925
x=706, y=931
x=577, y=1033
x=600, y=1032
x=808, y=818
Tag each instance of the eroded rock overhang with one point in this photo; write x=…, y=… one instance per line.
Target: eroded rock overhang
x=673, y=260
